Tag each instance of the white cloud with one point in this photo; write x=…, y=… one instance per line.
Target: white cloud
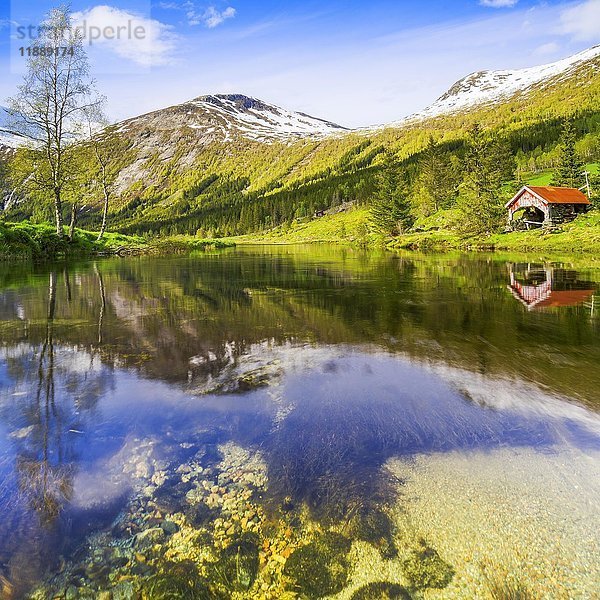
x=141, y=40
x=547, y=49
x=498, y=3
x=582, y=21
x=211, y=17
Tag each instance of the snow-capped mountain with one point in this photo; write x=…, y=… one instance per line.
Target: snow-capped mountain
x=485, y=87
x=226, y=117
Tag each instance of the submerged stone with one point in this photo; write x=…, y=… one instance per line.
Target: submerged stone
x=321, y=567
x=72, y=593
x=381, y=590
x=169, y=527
x=237, y=567
x=168, y=499
x=149, y=537
x=123, y=591
x=424, y=568
x=252, y=381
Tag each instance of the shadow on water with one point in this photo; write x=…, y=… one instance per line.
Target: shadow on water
x=349, y=415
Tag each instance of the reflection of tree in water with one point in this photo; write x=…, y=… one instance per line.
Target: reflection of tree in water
x=44, y=476
x=181, y=319
x=61, y=390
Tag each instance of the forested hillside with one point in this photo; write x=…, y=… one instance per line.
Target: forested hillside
x=169, y=180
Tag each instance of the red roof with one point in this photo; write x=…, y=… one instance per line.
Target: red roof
x=566, y=298
x=560, y=195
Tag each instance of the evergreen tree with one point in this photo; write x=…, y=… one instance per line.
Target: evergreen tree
x=569, y=172
x=391, y=210
x=437, y=182
x=489, y=165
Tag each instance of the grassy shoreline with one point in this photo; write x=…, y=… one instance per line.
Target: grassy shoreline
x=39, y=241
x=352, y=227
x=29, y=241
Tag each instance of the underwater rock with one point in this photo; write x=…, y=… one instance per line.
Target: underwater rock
x=321, y=567
x=97, y=572
x=169, y=527
x=253, y=380
x=237, y=567
x=176, y=580
x=123, y=591
x=375, y=527
x=381, y=591
x=198, y=514
x=168, y=499
x=424, y=568
x=149, y=537
x=72, y=593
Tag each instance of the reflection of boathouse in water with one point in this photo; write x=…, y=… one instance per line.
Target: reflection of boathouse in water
x=538, y=286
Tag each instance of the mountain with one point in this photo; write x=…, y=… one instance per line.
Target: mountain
x=227, y=117
x=231, y=163
x=489, y=87
x=206, y=119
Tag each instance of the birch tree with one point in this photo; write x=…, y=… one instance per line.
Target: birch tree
x=51, y=103
x=104, y=148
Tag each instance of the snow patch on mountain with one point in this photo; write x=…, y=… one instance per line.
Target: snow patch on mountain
x=228, y=116
x=485, y=87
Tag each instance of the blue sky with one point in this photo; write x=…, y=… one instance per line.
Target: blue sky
x=354, y=62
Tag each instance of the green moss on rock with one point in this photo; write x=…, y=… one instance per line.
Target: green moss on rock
x=237, y=567
x=176, y=580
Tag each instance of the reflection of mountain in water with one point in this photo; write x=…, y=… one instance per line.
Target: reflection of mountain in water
x=538, y=286
x=189, y=320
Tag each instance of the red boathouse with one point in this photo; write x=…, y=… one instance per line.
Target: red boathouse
x=546, y=205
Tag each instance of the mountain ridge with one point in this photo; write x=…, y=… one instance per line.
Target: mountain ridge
x=228, y=117
x=484, y=87
x=220, y=117
x=223, y=161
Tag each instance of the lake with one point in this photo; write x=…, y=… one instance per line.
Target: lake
x=300, y=422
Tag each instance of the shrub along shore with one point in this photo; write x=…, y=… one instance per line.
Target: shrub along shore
x=30, y=241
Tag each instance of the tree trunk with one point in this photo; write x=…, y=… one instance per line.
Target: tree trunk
x=73, y=221
x=58, y=214
x=104, y=217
